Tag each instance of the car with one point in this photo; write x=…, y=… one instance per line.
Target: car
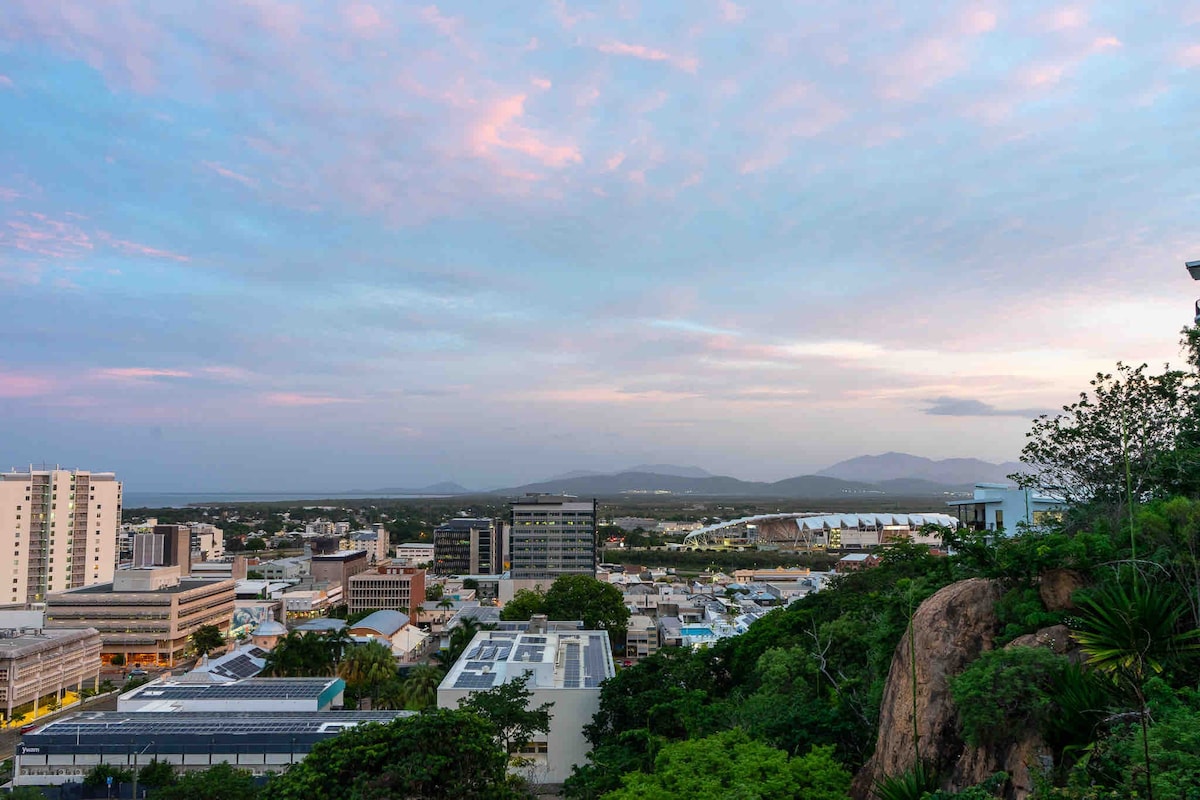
x=138, y=672
x=28, y=728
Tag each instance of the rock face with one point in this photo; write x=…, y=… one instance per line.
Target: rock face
x=951, y=629
x=1056, y=586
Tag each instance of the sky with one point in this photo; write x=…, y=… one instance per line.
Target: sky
x=269, y=245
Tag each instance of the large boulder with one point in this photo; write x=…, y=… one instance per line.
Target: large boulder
x=1056, y=586
x=951, y=629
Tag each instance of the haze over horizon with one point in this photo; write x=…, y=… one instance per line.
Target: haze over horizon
x=264, y=245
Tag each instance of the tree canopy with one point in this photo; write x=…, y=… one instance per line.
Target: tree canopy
x=600, y=605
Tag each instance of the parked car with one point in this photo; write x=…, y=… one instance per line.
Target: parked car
x=138, y=672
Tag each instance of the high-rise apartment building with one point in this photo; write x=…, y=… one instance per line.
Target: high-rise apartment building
x=466, y=547
x=60, y=527
x=552, y=535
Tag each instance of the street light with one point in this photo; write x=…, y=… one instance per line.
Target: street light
x=135, y=767
x=1193, y=268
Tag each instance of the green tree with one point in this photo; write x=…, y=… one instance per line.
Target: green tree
x=218, y=782
x=156, y=774
x=600, y=605
x=434, y=755
x=524, y=604
x=207, y=638
x=255, y=544
x=1006, y=693
x=434, y=592
x=118, y=660
x=301, y=655
x=506, y=709
x=731, y=766
x=367, y=667
x=98, y=776
x=445, y=604
x=420, y=687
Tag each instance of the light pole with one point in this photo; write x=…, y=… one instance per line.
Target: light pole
x=135, y=767
x=1193, y=268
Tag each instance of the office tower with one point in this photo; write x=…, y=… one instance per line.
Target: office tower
x=165, y=546
x=61, y=527
x=552, y=535
x=465, y=547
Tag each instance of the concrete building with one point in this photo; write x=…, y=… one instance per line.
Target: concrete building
x=208, y=542
x=375, y=542
x=146, y=615
x=386, y=586
x=41, y=666
x=60, y=527
x=564, y=668
x=285, y=569
x=337, y=567
x=187, y=694
x=392, y=628
x=999, y=507
x=164, y=546
x=552, y=535
x=641, y=637
x=466, y=546
x=414, y=554
x=262, y=742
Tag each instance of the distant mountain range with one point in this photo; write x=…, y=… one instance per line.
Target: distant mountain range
x=898, y=474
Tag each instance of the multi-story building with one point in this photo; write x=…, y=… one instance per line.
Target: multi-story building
x=164, y=546
x=641, y=637
x=145, y=615
x=60, y=527
x=386, y=587
x=414, y=554
x=208, y=541
x=563, y=667
x=999, y=507
x=39, y=667
x=552, y=535
x=337, y=567
x=465, y=546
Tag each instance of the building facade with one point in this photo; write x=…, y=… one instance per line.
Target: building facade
x=61, y=527
x=386, y=587
x=999, y=507
x=466, y=547
x=145, y=615
x=552, y=535
x=40, y=667
x=339, y=566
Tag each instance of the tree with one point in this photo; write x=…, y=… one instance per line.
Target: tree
x=301, y=655
x=118, y=660
x=420, y=687
x=98, y=776
x=460, y=638
x=366, y=667
x=731, y=766
x=434, y=592
x=525, y=603
x=255, y=543
x=445, y=604
x=207, y=638
x=506, y=708
x=600, y=605
x=1007, y=693
x=218, y=782
x=156, y=774
x=439, y=754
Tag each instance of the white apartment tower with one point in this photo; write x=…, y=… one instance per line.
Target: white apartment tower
x=60, y=527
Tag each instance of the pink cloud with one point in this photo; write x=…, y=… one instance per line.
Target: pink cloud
x=731, y=12
x=542, y=83
x=136, y=249
x=363, y=19
x=298, y=400
x=614, y=161
x=225, y=172
x=564, y=15
x=6, y=81
x=977, y=21
x=17, y=384
x=498, y=129
x=446, y=26
x=644, y=53
x=920, y=67
x=7, y=195
x=138, y=373
x=38, y=234
x=1064, y=19
x=1190, y=57
x=1106, y=43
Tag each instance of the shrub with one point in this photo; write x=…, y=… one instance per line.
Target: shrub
x=1006, y=692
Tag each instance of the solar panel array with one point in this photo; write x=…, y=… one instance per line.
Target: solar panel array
x=109, y=724
x=596, y=662
x=491, y=650
x=263, y=688
x=475, y=680
x=240, y=667
x=572, y=670
x=530, y=652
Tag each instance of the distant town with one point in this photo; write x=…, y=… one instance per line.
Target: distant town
x=198, y=636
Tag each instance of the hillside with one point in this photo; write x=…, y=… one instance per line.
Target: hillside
x=947, y=472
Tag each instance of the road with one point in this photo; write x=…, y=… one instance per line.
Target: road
x=10, y=738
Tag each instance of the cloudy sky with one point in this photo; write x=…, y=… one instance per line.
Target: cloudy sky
x=315, y=245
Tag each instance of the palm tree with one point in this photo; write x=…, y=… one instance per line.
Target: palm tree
x=420, y=688
x=367, y=667
x=338, y=642
x=415, y=611
x=1129, y=633
x=445, y=604
x=391, y=695
x=460, y=638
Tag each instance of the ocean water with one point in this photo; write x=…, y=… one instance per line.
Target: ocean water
x=183, y=499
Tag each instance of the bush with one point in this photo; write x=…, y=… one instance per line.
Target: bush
x=1005, y=693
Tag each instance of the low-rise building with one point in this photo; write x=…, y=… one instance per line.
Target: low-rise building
x=196, y=692
x=393, y=629
x=564, y=668
x=641, y=637
x=145, y=615
x=1000, y=507
x=40, y=667
x=386, y=586
x=339, y=566
x=285, y=569
x=414, y=554
x=262, y=742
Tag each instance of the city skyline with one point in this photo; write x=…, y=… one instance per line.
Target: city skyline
x=273, y=246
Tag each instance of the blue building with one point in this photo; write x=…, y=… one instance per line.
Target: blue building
x=1000, y=507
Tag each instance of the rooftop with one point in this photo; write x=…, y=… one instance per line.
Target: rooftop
x=252, y=688
x=385, y=622
x=340, y=555
x=28, y=643
x=560, y=660
x=184, y=585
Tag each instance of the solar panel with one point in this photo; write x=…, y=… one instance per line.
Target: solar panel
x=471, y=680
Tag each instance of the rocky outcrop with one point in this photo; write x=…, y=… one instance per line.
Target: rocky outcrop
x=951, y=629
x=1056, y=586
